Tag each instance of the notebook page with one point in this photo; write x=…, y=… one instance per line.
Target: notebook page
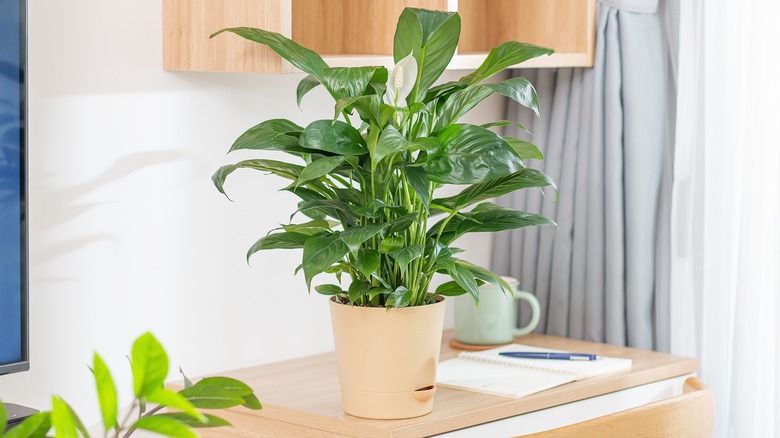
x=496, y=379
x=579, y=369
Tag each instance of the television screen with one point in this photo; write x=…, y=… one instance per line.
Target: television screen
x=13, y=241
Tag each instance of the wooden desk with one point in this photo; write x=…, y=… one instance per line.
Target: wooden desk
x=301, y=397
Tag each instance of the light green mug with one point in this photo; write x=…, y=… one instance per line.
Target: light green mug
x=495, y=320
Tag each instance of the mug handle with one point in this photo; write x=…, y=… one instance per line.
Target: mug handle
x=535, y=313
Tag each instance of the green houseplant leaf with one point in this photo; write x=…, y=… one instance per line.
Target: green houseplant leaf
x=150, y=365
x=106, y=392
x=503, y=56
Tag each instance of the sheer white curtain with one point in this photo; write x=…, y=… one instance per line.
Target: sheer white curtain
x=726, y=208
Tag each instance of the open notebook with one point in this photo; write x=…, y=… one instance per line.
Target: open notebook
x=486, y=371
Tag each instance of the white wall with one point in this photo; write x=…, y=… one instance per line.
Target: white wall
x=127, y=233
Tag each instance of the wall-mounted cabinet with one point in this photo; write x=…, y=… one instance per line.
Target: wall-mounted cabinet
x=360, y=32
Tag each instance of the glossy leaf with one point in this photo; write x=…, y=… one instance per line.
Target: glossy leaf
x=400, y=297
x=431, y=36
x=405, y=255
x=348, y=81
x=505, y=123
x=36, y=425
x=443, y=89
x=336, y=137
x=367, y=261
x=211, y=397
x=470, y=154
x=309, y=228
x=390, y=142
x=210, y=420
x=519, y=90
x=465, y=279
x=288, y=240
x=400, y=224
x=487, y=276
x=106, y=391
x=275, y=134
x=149, y=364
x=488, y=217
x=522, y=179
x=391, y=244
x=524, y=149
x=450, y=289
x=504, y=56
x=328, y=289
x=319, y=168
x=355, y=236
x=165, y=425
x=418, y=180
x=251, y=402
x=321, y=252
x=304, y=86
x=460, y=103
x=357, y=290
x=285, y=170
x=299, y=56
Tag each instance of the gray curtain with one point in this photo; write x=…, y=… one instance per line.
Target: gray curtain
x=602, y=275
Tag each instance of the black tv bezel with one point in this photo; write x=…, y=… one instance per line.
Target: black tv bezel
x=24, y=363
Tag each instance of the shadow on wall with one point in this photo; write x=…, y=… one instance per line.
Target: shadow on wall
x=59, y=206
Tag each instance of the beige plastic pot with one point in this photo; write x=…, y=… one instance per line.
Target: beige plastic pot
x=387, y=358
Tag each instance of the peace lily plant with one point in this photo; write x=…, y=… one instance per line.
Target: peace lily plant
x=367, y=179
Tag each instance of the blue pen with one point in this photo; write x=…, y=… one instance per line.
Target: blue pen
x=540, y=355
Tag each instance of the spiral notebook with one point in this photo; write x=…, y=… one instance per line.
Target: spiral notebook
x=486, y=371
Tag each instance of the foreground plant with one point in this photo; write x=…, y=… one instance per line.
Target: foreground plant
x=367, y=179
x=149, y=364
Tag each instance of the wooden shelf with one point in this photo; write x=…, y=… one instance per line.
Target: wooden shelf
x=301, y=397
x=360, y=32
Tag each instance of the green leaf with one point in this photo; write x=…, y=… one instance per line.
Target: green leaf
x=285, y=170
x=66, y=423
x=405, y=255
x=321, y=252
x=418, y=179
x=400, y=297
x=289, y=240
x=238, y=387
x=522, y=179
x=328, y=289
x=210, y=420
x=524, y=149
x=36, y=425
x=459, y=103
x=390, y=142
x=174, y=400
x=505, y=123
x=443, y=89
x=269, y=135
x=106, y=392
x=336, y=209
x=504, y=56
x=319, y=168
x=150, y=365
x=431, y=36
x=336, y=137
x=251, y=402
x=520, y=90
x=355, y=236
x=3, y=417
x=304, y=86
x=470, y=154
x=487, y=276
x=487, y=217
x=299, y=56
x=165, y=425
x=211, y=397
x=367, y=261
x=369, y=108
x=450, y=289
x=400, y=223
x=357, y=290
x=465, y=279
x=348, y=81
x=187, y=381
x=312, y=227
x=391, y=244
x=376, y=291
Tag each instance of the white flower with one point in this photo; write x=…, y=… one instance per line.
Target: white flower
x=401, y=81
